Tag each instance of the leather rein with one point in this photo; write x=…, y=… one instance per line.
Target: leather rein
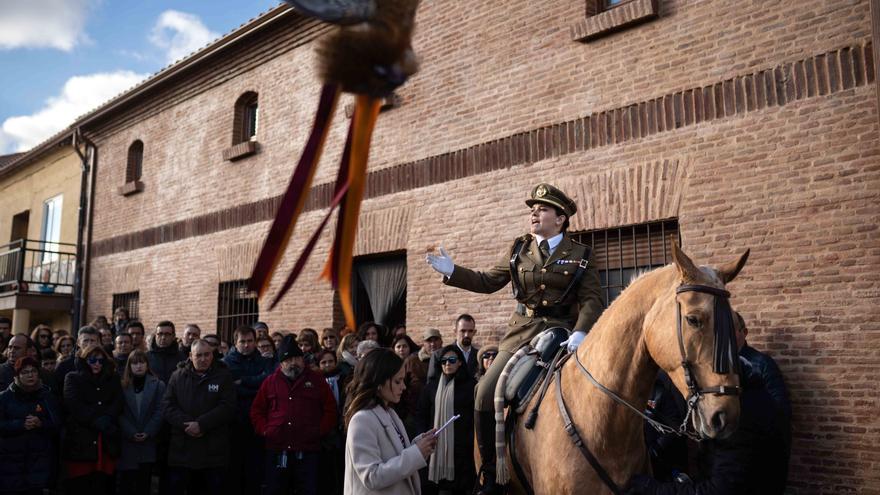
x=725, y=359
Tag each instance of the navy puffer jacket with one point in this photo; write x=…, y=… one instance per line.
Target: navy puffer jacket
x=27, y=457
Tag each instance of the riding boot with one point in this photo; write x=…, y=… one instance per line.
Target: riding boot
x=484, y=424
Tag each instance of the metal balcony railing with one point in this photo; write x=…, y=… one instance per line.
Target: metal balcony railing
x=37, y=267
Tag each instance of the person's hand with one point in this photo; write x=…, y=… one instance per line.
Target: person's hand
x=31, y=422
x=427, y=443
x=574, y=341
x=192, y=429
x=140, y=437
x=441, y=263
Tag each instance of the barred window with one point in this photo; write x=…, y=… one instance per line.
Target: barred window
x=621, y=253
x=129, y=301
x=236, y=305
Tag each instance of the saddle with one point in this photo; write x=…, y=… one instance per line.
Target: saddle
x=530, y=370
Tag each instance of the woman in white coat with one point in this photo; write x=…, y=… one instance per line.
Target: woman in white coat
x=379, y=458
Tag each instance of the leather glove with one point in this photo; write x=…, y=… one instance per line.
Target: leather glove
x=442, y=263
x=574, y=341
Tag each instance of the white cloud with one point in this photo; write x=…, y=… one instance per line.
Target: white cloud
x=180, y=34
x=80, y=95
x=42, y=23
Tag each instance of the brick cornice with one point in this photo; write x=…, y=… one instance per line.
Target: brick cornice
x=823, y=74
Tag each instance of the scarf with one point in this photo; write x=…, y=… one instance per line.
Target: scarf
x=350, y=358
x=442, y=465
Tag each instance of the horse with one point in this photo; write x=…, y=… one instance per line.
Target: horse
x=663, y=319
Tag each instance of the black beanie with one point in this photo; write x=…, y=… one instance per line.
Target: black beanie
x=288, y=348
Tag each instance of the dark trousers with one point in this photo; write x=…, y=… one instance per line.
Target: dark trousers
x=135, y=481
x=246, y=463
x=301, y=467
x=196, y=481
x=91, y=484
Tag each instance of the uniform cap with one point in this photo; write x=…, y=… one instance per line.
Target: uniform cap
x=551, y=195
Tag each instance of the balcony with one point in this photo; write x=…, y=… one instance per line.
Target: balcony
x=37, y=275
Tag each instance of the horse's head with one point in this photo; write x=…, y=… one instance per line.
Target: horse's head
x=691, y=337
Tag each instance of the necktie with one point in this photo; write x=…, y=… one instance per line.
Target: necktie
x=544, y=246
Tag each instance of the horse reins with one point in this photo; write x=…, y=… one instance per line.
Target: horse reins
x=725, y=358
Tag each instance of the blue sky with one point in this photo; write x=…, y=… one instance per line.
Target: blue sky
x=61, y=58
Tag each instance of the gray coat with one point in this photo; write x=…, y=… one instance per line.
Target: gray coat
x=147, y=419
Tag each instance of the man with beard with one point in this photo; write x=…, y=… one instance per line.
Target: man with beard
x=293, y=427
x=465, y=329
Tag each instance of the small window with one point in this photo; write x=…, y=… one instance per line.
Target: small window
x=608, y=16
x=236, y=305
x=621, y=253
x=247, y=117
x=134, y=167
x=129, y=301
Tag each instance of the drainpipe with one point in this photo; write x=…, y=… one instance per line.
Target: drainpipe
x=88, y=157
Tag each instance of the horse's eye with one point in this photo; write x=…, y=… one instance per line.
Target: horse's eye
x=693, y=321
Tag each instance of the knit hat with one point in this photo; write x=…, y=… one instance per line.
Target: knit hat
x=288, y=348
x=24, y=362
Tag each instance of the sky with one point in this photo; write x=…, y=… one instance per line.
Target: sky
x=60, y=59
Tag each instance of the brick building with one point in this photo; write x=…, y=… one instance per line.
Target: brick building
x=727, y=125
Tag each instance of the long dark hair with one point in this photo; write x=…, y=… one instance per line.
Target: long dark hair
x=376, y=368
x=136, y=356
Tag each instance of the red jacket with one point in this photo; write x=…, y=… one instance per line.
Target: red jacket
x=293, y=415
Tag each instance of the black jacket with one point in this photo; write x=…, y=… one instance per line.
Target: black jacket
x=753, y=460
x=93, y=403
x=208, y=399
x=765, y=366
x=249, y=371
x=163, y=360
x=463, y=439
x=27, y=457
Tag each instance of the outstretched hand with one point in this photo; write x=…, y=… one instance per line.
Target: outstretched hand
x=441, y=263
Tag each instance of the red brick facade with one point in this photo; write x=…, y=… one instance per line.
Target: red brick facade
x=756, y=125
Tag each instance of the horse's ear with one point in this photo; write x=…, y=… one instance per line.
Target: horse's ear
x=687, y=270
x=729, y=271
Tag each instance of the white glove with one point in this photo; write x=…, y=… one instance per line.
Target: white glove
x=574, y=341
x=442, y=263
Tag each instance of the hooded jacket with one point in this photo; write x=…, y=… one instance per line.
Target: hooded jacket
x=208, y=399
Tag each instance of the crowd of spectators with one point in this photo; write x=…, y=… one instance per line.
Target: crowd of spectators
x=118, y=409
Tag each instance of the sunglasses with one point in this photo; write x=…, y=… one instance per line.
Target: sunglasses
x=449, y=360
x=489, y=355
x=95, y=360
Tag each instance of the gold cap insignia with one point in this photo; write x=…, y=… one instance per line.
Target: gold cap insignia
x=541, y=191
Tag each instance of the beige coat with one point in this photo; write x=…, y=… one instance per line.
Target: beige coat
x=375, y=459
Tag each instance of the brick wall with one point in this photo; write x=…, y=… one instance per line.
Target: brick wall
x=788, y=168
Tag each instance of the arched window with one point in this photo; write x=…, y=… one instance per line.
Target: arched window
x=246, y=118
x=134, y=167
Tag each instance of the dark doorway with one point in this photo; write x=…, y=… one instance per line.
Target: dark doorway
x=20, y=226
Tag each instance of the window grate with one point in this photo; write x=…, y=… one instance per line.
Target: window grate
x=621, y=253
x=129, y=301
x=236, y=305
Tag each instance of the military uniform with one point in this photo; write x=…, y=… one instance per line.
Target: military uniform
x=543, y=289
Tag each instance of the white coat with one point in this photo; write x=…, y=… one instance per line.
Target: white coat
x=376, y=462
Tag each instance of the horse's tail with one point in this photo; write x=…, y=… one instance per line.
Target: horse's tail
x=502, y=473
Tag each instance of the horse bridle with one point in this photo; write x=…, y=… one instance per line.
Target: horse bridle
x=725, y=359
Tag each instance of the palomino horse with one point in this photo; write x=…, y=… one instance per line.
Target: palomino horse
x=634, y=336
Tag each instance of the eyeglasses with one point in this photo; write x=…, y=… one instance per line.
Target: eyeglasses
x=489, y=355
x=449, y=360
x=95, y=360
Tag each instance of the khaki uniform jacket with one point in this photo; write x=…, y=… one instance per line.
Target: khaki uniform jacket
x=541, y=284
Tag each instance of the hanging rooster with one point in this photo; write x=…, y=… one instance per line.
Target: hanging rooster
x=369, y=54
